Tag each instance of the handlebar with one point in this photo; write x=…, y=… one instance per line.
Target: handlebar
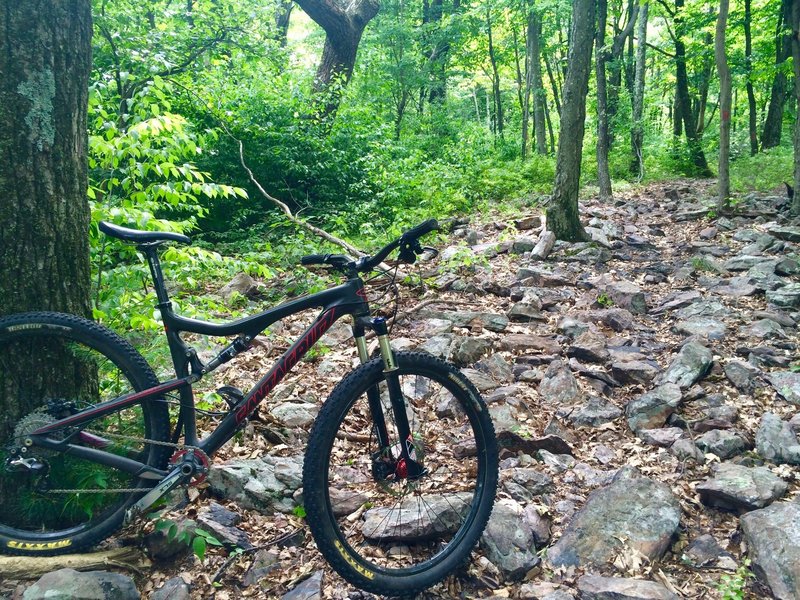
x=408, y=243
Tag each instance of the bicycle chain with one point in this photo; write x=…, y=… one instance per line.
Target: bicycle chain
x=119, y=436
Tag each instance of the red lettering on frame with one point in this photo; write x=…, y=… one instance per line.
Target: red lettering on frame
x=285, y=364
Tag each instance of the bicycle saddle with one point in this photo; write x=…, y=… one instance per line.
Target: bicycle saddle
x=135, y=236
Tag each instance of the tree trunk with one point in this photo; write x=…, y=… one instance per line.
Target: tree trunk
x=45, y=59
x=696, y=154
x=773, y=124
x=615, y=61
x=282, y=15
x=496, y=97
x=751, y=96
x=637, y=130
x=563, y=218
x=795, y=21
x=539, y=96
x=344, y=25
x=603, y=176
x=724, y=180
x=553, y=85
x=702, y=88
x=524, y=87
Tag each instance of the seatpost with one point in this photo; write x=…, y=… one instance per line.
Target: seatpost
x=150, y=252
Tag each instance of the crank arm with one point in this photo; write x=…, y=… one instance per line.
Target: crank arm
x=171, y=481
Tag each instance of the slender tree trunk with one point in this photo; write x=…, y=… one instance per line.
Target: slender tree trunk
x=637, y=130
x=525, y=89
x=45, y=61
x=795, y=21
x=751, y=96
x=724, y=179
x=563, y=218
x=615, y=62
x=553, y=85
x=603, y=176
x=283, y=14
x=705, y=81
x=539, y=96
x=696, y=154
x=497, y=98
x=773, y=124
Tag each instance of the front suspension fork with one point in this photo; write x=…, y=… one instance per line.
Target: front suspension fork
x=408, y=467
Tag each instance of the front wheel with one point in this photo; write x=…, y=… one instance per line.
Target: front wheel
x=381, y=530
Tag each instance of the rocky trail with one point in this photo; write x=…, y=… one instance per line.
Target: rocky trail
x=645, y=391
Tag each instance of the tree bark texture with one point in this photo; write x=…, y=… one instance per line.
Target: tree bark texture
x=637, y=129
x=600, y=58
x=773, y=124
x=344, y=24
x=615, y=61
x=45, y=60
x=752, y=126
x=563, y=217
x=723, y=177
x=696, y=154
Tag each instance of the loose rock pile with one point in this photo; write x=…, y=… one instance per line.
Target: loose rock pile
x=643, y=392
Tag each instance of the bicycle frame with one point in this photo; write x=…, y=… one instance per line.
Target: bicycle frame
x=345, y=299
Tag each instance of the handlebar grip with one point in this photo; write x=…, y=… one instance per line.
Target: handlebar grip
x=421, y=229
x=313, y=259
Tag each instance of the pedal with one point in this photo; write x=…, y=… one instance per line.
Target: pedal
x=231, y=394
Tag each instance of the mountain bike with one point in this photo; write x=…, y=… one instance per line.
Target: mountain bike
x=400, y=470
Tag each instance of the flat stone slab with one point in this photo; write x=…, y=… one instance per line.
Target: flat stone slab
x=509, y=544
x=703, y=326
x=722, y=442
x=787, y=384
x=692, y=362
x=595, y=587
x=787, y=296
x=773, y=541
x=633, y=508
x=736, y=487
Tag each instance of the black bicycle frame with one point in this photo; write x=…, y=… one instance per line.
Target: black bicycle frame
x=346, y=299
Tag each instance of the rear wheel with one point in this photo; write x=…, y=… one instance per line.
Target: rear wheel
x=381, y=530
x=51, y=366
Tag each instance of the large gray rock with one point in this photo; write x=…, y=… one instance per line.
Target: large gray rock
x=787, y=296
x=308, y=589
x=559, y=386
x=692, y=362
x=640, y=372
x=736, y=487
x=590, y=347
x=773, y=540
x=653, y=408
x=787, y=384
x=469, y=319
x=702, y=326
x=508, y=543
x=595, y=587
x=776, y=441
x=263, y=484
x=173, y=589
x=722, y=442
x=544, y=245
x=417, y=517
x=786, y=233
x=594, y=413
x=742, y=375
x=626, y=294
x=633, y=511
x=69, y=584
x=525, y=342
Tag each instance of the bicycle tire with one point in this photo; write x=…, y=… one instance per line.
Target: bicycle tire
x=453, y=437
x=70, y=363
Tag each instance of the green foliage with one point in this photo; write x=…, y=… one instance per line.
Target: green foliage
x=187, y=532
x=732, y=587
x=299, y=512
x=604, y=300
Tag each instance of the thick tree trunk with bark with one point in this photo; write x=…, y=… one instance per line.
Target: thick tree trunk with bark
x=773, y=124
x=45, y=59
x=563, y=217
x=637, y=130
x=344, y=24
x=600, y=57
x=724, y=179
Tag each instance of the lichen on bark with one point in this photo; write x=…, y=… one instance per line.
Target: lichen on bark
x=40, y=90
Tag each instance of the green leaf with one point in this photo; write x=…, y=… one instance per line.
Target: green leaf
x=199, y=547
